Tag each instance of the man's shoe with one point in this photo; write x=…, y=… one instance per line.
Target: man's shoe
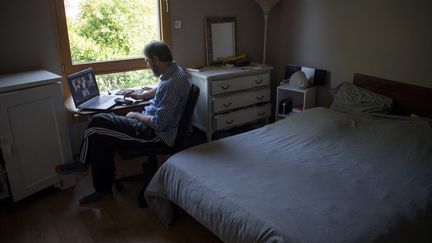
x=69, y=168
x=94, y=197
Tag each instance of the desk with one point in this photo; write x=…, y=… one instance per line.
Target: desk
x=118, y=110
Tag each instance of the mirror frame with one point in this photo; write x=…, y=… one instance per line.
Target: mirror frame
x=208, y=32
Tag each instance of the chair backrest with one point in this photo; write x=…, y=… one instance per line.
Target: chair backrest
x=186, y=119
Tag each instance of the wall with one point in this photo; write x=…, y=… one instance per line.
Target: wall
x=27, y=40
x=391, y=39
x=189, y=42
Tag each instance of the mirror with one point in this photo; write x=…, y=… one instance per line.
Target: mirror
x=220, y=39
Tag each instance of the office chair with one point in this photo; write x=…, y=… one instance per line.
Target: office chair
x=152, y=150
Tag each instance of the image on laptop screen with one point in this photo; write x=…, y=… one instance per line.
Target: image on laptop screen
x=83, y=86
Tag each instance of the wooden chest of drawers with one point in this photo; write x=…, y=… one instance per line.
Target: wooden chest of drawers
x=231, y=97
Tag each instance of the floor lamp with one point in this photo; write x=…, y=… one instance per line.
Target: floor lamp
x=266, y=6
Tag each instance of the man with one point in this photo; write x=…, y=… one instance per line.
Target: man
x=157, y=123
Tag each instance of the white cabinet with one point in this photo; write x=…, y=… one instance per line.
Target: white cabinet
x=33, y=130
x=300, y=99
x=231, y=97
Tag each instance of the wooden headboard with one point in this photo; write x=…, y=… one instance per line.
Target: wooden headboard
x=407, y=99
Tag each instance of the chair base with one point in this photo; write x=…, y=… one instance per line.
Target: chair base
x=119, y=183
x=149, y=168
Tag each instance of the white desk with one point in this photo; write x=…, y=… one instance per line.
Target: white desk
x=120, y=110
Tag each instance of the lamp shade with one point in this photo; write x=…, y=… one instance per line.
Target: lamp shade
x=267, y=5
x=298, y=80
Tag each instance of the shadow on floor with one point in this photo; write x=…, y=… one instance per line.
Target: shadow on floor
x=199, y=137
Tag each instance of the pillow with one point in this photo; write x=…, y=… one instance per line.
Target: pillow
x=352, y=98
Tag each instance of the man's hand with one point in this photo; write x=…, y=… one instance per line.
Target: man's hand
x=132, y=94
x=146, y=95
x=133, y=114
x=139, y=116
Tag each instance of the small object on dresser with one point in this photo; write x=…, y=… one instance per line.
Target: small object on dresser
x=285, y=106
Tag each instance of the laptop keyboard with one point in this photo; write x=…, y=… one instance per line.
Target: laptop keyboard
x=99, y=100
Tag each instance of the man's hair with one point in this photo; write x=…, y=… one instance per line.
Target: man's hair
x=159, y=49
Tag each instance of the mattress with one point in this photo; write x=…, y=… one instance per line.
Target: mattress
x=317, y=176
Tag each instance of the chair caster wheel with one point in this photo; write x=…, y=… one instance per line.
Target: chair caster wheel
x=119, y=186
x=142, y=203
x=141, y=200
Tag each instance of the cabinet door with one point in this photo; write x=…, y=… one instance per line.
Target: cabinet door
x=33, y=137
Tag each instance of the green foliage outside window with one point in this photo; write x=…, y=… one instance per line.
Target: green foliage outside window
x=105, y=30
x=114, y=81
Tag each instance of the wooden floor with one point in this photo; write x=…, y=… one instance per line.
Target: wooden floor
x=54, y=215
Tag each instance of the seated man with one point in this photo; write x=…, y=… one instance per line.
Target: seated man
x=157, y=123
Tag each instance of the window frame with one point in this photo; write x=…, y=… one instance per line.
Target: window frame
x=105, y=67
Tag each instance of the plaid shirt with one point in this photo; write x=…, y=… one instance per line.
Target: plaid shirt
x=169, y=102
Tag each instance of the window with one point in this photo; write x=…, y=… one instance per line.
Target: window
x=109, y=36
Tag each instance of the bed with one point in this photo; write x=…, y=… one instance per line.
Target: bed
x=318, y=176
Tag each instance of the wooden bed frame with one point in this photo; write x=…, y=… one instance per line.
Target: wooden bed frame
x=407, y=99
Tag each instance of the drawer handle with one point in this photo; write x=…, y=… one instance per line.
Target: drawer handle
x=227, y=105
x=258, y=81
x=260, y=97
x=261, y=113
x=226, y=87
x=229, y=122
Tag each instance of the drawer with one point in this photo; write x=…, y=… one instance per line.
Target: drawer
x=257, y=81
x=246, y=98
x=241, y=116
x=240, y=83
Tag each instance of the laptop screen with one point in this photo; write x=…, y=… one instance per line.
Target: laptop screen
x=83, y=86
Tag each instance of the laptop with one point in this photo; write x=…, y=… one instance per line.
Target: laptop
x=85, y=92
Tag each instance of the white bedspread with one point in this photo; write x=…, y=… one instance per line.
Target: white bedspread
x=319, y=176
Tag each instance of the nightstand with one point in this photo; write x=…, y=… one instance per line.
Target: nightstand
x=301, y=99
